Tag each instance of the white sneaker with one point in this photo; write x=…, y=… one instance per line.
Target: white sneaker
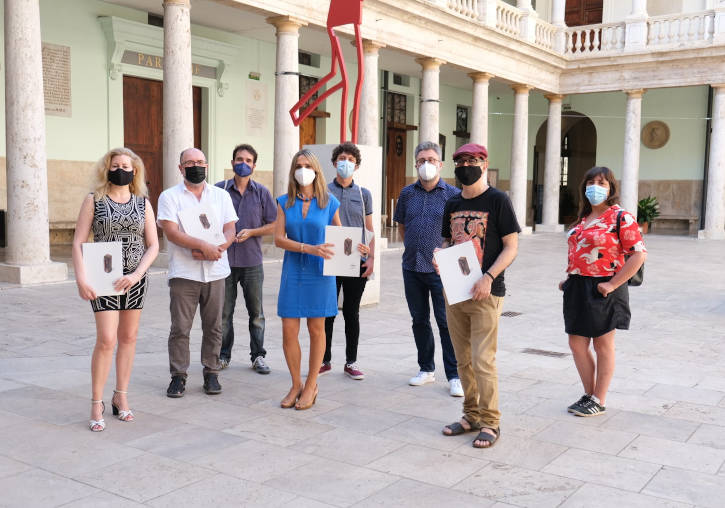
x=456, y=388
x=422, y=378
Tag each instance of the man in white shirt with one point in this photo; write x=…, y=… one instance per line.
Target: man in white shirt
x=197, y=270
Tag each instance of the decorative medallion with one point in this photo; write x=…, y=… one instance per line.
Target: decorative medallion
x=655, y=134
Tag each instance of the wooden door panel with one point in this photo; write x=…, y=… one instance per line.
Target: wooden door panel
x=143, y=117
x=394, y=164
x=583, y=12
x=308, y=128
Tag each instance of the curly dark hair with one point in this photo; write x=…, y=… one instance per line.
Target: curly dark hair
x=349, y=148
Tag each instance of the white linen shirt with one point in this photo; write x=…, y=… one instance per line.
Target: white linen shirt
x=181, y=263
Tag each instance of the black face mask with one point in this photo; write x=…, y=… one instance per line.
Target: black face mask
x=120, y=177
x=195, y=174
x=468, y=175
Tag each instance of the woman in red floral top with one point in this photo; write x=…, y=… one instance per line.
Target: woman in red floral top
x=596, y=300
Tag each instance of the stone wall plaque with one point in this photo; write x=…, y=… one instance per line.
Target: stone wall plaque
x=655, y=134
x=57, y=80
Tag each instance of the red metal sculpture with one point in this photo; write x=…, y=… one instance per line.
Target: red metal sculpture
x=342, y=12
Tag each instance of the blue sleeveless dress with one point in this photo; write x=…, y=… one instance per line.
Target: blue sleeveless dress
x=303, y=290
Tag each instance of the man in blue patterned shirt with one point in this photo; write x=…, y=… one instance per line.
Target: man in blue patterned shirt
x=419, y=214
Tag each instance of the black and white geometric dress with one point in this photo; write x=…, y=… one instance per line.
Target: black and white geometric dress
x=122, y=222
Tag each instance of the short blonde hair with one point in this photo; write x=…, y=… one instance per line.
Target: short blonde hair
x=103, y=166
x=319, y=186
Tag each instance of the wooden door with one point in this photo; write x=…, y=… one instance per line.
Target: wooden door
x=308, y=128
x=394, y=165
x=583, y=12
x=143, y=118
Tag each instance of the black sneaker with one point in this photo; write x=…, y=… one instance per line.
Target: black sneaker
x=211, y=384
x=578, y=403
x=589, y=407
x=176, y=387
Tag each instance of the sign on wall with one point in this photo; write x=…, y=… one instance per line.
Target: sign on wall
x=157, y=62
x=256, y=109
x=56, y=80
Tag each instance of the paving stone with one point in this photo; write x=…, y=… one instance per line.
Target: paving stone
x=103, y=500
x=518, y=486
x=670, y=453
x=254, y=460
x=515, y=451
x=649, y=425
x=185, y=442
x=686, y=394
x=362, y=419
x=587, y=438
x=698, y=489
x=709, y=435
x=407, y=493
x=591, y=495
x=24, y=489
x=622, y=473
x=352, y=483
x=347, y=446
x=144, y=477
x=697, y=413
x=430, y=466
x=10, y=467
x=222, y=490
x=279, y=429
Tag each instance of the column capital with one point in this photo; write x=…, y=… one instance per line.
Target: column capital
x=477, y=77
x=554, y=97
x=519, y=88
x=286, y=24
x=636, y=93
x=181, y=3
x=370, y=46
x=429, y=62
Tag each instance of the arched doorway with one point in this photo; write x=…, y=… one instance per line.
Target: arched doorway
x=578, y=154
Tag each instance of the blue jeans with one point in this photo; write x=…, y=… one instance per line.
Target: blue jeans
x=418, y=286
x=251, y=280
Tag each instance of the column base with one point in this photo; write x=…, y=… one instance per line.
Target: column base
x=33, y=274
x=526, y=230
x=705, y=234
x=549, y=228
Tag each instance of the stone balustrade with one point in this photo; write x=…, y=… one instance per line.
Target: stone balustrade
x=467, y=8
x=689, y=28
x=663, y=32
x=508, y=19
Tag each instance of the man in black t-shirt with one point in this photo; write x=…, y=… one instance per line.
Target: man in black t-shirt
x=485, y=215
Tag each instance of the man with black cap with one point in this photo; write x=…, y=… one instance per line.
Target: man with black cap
x=485, y=215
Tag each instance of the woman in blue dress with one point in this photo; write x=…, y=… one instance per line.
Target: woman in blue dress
x=302, y=215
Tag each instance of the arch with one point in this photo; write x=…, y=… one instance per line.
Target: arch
x=579, y=146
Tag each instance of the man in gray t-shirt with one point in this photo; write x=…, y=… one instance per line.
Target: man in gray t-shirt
x=356, y=210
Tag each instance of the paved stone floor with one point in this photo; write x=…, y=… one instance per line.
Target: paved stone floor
x=378, y=441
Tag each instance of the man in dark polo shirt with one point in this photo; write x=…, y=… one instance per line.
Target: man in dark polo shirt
x=419, y=214
x=257, y=212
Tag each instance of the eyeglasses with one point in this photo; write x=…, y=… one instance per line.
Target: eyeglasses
x=466, y=161
x=431, y=160
x=188, y=164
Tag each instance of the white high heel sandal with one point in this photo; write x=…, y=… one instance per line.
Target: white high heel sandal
x=98, y=425
x=123, y=415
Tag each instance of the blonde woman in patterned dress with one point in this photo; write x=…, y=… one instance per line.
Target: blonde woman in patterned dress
x=118, y=210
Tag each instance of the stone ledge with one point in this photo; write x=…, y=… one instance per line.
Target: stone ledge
x=33, y=274
x=549, y=228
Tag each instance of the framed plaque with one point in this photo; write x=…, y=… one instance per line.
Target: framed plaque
x=655, y=134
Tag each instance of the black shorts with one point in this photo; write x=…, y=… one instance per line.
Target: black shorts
x=132, y=299
x=588, y=313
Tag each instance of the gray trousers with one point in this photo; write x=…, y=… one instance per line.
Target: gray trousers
x=185, y=296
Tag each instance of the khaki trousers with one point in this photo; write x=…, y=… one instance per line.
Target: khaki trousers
x=186, y=295
x=474, y=333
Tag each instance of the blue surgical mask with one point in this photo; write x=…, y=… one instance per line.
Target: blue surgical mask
x=243, y=169
x=596, y=194
x=345, y=168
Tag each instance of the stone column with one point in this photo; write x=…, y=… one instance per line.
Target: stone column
x=429, y=99
x=479, y=113
x=719, y=22
x=558, y=16
x=178, y=99
x=552, y=170
x=630, y=165
x=487, y=12
x=528, y=20
x=286, y=95
x=715, y=207
x=369, y=119
x=27, y=256
x=635, y=38
x=519, y=153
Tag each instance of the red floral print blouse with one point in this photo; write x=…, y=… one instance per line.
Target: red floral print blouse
x=595, y=250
